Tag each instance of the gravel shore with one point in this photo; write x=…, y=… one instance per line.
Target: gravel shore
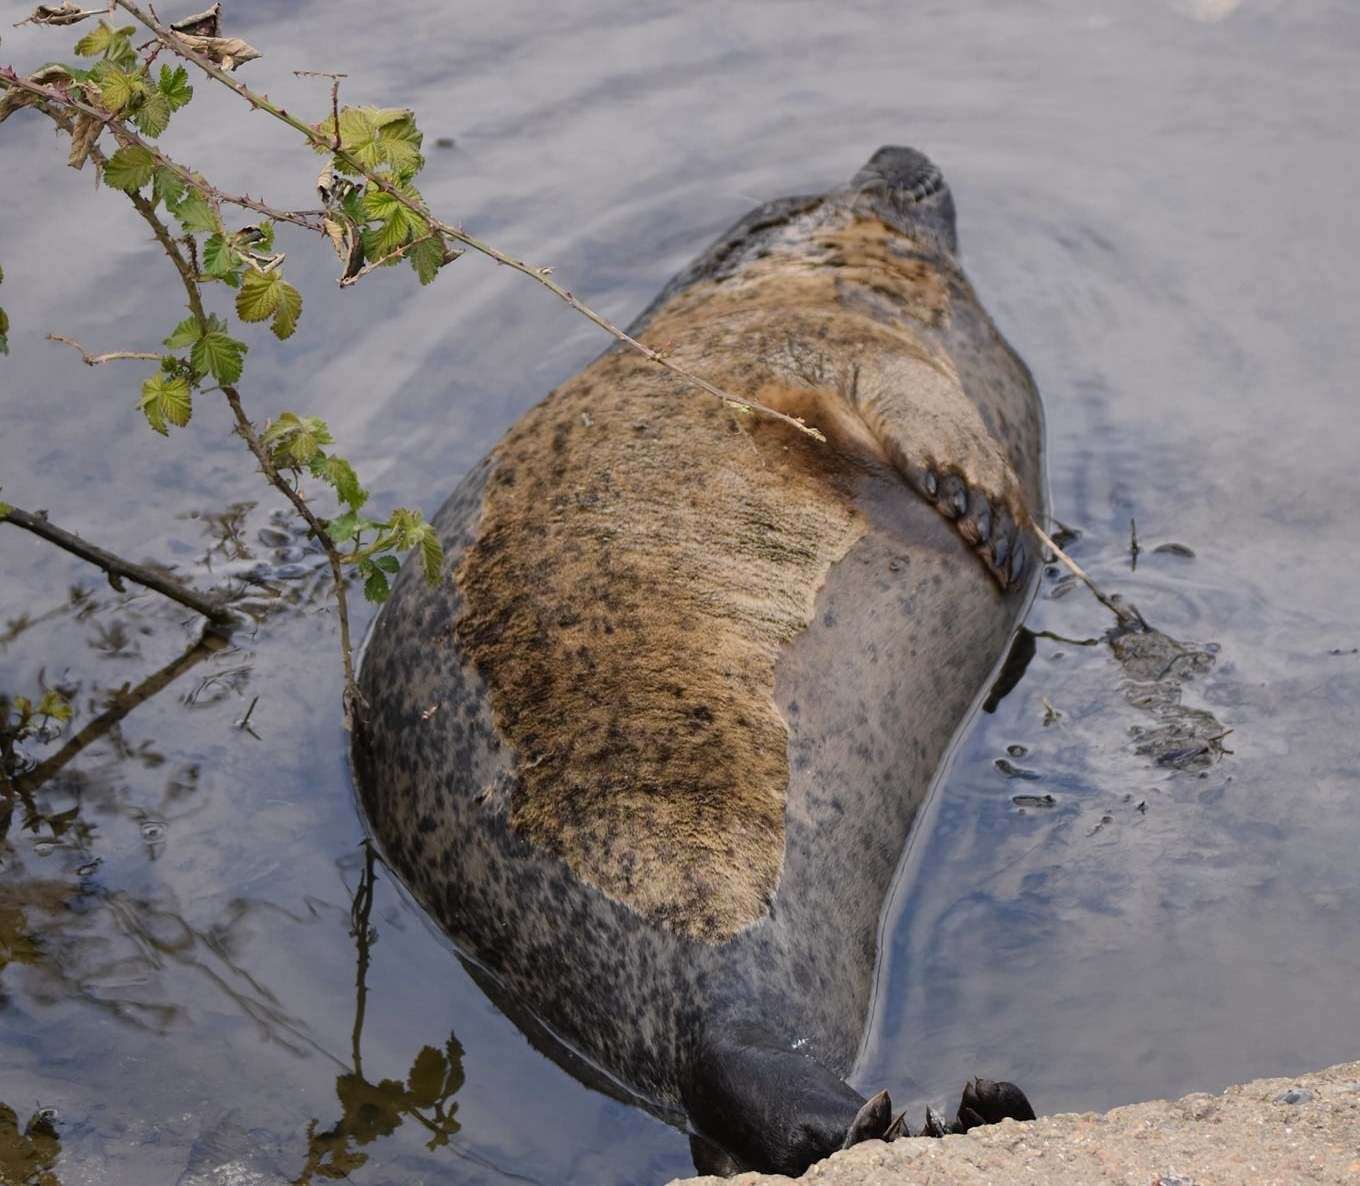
x=1270, y=1132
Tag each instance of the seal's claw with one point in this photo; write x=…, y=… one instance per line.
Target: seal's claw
x=871, y=1122
x=953, y=500
x=935, y=1124
x=898, y=1128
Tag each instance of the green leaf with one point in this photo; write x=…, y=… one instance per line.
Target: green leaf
x=219, y=256
x=289, y=310
x=165, y=399
x=378, y=137
x=129, y=168
x=184, y=334
x=153, y=116
x=344, y=528
x=388, y=563
x=266, y=240
x=431, y=555
x=4, y=332
x=427, y=257
x=218, y=354
x=101, y=39
x=167, y=186
x=117, y=88
x=174, y=85
x=375, y=582
x=340, y=474
x=195, y=213
x=260, y=295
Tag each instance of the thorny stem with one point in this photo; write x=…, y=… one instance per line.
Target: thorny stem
x=211, y=608
x=177, y=45
x=353, y=699
x=188, y=275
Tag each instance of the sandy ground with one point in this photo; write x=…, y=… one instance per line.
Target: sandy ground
x=1268, y=1132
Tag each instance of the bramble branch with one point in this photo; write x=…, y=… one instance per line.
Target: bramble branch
x=177, y=44
x=117, y=568
x=308, y=219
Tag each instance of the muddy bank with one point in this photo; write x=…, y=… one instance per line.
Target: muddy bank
x=1269, y=1131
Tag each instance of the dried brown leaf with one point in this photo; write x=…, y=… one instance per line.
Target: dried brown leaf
x=83, y=136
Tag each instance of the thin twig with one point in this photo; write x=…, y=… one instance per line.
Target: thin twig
x=211, y=608
x=179, y=46
x=353, y=699
x=346, y=281
x=1127, y=617
x=94, y=360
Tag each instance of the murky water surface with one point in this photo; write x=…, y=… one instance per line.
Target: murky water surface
x=1158, y=203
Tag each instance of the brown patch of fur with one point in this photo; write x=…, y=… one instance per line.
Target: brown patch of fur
x=644, y=554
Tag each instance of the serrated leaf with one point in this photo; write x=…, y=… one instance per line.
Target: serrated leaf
x=174, y=85
x=340, y=474
x=431, y=555
x=195, y=213
x=375, y=583
x=167, y=186
x=219, y=256
x=218, y=354
x=184, y=334
x=265, y=242
x=388, y=563
x=153, y=116
x=288, y=311
x=117, y=88
x=259, y=295
x=344, y=528
x=101, y=39
x=129, y=168
x=166, y=399
x=428, y=256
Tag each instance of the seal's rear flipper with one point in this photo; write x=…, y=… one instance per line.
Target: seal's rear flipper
x=987, y=1101
x=771, y=1108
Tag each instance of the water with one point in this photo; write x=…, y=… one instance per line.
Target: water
x=1157, y=202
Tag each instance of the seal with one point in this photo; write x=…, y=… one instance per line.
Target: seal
x=651, y=750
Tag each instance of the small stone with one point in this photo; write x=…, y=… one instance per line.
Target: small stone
x=1295, y=1095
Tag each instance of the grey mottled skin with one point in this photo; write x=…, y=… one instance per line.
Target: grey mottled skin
x=907, y=630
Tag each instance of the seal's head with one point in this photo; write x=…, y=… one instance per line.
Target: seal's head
x=906, y=189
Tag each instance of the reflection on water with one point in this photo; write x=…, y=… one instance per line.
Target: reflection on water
x=1111, y=897
x=27, y=1155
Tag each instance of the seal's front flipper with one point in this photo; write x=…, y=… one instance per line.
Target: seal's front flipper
x=987, y=1101
x=916, y=409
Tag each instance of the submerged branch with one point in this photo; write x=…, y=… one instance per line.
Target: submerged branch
x=211, y=608
x=1127, y=616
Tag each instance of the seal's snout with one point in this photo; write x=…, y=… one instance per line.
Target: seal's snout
x=906, y=188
